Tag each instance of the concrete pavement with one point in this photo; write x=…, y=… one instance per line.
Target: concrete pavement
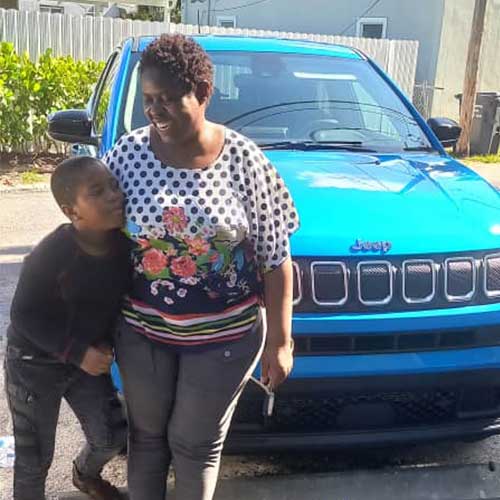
x=471, y=482
x=28, y=216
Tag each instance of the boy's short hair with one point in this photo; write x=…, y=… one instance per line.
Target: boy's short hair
x=68, y=177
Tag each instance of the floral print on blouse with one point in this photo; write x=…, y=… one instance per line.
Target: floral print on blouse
x=204, y=238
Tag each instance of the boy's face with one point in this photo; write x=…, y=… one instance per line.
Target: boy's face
x=99, y=202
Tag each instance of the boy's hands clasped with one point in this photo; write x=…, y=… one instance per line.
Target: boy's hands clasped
x=97, y=360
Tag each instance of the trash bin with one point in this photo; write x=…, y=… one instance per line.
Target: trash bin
x=485, y=134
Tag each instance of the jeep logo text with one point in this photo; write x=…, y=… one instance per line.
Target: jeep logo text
x=371, y=246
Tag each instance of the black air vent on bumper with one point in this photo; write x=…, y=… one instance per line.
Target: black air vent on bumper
x=380, y=343
x=340, y=411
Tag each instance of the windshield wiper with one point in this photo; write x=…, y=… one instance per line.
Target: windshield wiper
x=317, y=145
x=416, y=149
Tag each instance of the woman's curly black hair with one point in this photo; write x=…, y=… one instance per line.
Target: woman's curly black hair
x=181, y=59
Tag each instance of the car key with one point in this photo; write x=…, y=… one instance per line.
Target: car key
x=268, y=407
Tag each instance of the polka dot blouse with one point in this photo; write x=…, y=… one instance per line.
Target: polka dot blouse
x=204, y=237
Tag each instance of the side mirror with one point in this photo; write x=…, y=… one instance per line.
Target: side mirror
x=447, y=131
x=73, y=125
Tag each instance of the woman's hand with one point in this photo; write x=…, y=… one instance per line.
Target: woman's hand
x=277, y=363
x=277, y=358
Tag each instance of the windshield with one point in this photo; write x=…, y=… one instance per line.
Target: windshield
x=283, y=100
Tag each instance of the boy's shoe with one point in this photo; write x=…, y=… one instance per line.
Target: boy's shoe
x=95, y=487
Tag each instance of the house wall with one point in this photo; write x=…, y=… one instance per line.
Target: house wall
x=452, y=55
x=406, y=20
x=69, y=7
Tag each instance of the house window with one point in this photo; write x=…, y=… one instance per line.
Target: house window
x=52, y=9
x=372, y=27
x=226, y=21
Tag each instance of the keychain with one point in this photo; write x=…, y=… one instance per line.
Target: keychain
x=268, y=407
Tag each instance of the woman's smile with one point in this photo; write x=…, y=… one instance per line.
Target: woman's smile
x=162, y=127
x=161, y=123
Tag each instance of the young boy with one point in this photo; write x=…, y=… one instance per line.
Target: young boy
x=66, y=302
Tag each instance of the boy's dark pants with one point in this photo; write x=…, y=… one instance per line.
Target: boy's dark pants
x=35, y=388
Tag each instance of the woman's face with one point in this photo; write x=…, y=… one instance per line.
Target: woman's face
x=174, y=114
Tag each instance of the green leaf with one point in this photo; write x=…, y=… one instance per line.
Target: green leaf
x=161, y=245
x=29, y=91
x=202, y=259
x=220, y=247
x=163, y=275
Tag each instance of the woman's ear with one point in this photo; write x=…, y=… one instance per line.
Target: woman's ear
x=203, y=92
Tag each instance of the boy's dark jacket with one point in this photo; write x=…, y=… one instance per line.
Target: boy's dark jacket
x=66, y=300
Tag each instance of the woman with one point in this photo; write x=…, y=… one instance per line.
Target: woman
x=211, y=218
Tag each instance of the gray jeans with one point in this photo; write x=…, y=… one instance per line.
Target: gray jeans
x=180, y=407
x=35, y=388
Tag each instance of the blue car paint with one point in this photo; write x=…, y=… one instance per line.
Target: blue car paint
x=109, y=134
x=115, y=374
x=418, y=363
x=245, y=44
x=117, y=100
x=371, y=193
x=397, y=322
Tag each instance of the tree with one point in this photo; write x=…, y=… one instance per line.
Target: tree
x=9, y=4
x=176, y=14
x=144, y=13
x=151, y=13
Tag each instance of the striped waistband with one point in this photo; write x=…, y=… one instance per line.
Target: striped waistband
x=192, y=329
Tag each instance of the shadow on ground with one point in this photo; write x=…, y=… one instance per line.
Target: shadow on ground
x=16, y=250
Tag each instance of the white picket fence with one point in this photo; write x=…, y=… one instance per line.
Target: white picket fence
x=90, y=37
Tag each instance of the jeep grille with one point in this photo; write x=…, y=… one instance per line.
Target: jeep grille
x=396, y=283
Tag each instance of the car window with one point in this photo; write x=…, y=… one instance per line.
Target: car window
x=100, y=106
x=372, y=119
x=225, y=76
x=295, y=97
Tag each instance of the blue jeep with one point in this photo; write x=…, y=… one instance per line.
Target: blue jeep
x=397, y=262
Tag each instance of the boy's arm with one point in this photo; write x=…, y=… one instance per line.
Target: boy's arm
x=34, y=311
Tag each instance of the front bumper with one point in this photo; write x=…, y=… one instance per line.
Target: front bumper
x=259, y=442
x=369, y=411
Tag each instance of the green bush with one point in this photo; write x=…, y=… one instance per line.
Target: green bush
x=30, y=91
x=485, y=158
x=31, y=177
x=16, y=75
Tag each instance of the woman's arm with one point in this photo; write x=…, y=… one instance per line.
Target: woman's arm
x=273, y=218
x=277, y=359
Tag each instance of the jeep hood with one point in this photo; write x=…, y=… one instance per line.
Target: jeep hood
x=420, y=203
